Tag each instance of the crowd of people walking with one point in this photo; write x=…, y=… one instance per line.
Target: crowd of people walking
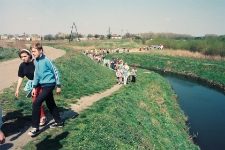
x=122, y=70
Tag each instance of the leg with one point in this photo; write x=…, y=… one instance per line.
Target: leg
x=50, y=102
x=45, y=94
x=125, y=80
x=38, y=91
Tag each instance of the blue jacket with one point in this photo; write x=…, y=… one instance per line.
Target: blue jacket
x=46, y=73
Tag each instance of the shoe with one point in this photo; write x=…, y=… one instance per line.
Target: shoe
x=54, y=125
x=34, y=131
x=43, y=121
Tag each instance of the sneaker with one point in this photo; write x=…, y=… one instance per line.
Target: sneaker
x=43, y=121
x=54, y=125
x=34, y=131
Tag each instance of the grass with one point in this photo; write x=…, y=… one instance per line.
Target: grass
x=144, y=115
x=8, y=53
x=78, y=79
x=210, y=71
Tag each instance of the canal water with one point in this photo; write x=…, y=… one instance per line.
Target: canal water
x=205, y=108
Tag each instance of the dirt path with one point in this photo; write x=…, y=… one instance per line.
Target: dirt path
x=20, y=139
x=86, y=101
x=9, y=69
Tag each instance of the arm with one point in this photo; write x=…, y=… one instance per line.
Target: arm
x=35, y=83
x=20, y=80
x=2, y=136
x=57, y=77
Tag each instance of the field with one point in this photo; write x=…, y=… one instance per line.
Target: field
x=143, y=115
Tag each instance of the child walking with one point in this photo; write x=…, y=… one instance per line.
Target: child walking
x=134, y=74
x=27, y=68
x=47, y=76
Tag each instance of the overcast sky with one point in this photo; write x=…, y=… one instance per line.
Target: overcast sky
x=42, y=17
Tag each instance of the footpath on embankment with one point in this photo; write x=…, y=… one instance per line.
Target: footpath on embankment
x=8, y=76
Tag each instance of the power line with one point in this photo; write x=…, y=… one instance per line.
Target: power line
x=60, y=13
x=53, y=10
x=40, y=10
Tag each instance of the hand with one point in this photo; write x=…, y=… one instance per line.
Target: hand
x=34, y=92
x=58, y=90
x=2, y=137
x=17, y=94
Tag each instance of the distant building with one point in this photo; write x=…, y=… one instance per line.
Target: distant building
x=36, y=38
x=4, y=37
x=115, y=36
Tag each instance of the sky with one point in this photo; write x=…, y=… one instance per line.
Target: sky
x=42, y=17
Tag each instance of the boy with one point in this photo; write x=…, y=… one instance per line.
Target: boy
x=47, y=76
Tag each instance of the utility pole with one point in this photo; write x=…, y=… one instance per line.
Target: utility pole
x=76, y=31
x=24, y=36
x=109, y=31
x=71, y=33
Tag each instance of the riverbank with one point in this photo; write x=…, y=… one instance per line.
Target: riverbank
x=208, y=71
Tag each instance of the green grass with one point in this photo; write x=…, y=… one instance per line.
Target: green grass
x=210, y=70
x=7, y=53
x=79, y=77
x=144, y=115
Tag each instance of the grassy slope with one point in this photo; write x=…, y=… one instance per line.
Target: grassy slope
x=213, y=71
x=143, y=115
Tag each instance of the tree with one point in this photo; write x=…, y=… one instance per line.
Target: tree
x=90, y=36
x=96, y=36
x=127, y=35
x=48, y=37
x=102, y=37
x=109, y=36
x=80, y=36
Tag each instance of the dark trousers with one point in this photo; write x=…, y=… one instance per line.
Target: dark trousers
x=133, y=79
x=46, y=96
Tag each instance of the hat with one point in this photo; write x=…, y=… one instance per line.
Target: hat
x=25, y=50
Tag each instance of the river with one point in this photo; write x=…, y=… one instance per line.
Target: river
x=205, y=108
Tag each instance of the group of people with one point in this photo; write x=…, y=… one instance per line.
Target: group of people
x=150, y=47
x=123, y=72
x=105, y=51
x=43, y=76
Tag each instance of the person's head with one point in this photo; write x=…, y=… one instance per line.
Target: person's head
x=25, y=55
x=134, y=67
x=36, y=49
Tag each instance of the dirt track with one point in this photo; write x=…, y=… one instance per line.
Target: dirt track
x=9, y=69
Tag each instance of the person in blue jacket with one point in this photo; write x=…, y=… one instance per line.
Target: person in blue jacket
x=47, y=76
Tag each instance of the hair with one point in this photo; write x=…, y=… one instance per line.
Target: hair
x=37, y=46
x=25, y=51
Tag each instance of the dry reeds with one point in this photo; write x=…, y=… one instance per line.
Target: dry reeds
x=186, y=53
